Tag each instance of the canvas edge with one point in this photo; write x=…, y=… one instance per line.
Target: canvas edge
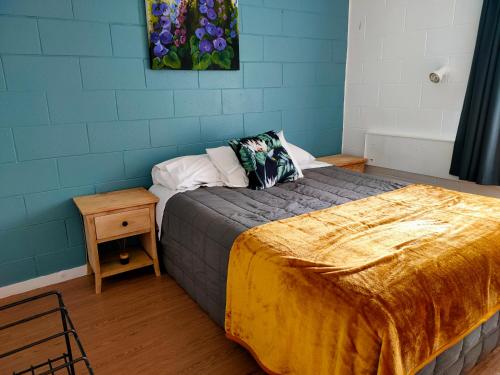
x=149, y=59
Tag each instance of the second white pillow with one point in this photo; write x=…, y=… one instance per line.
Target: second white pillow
x=186, y=173
x=289, y=150
x=303, y=157
x=231, y=171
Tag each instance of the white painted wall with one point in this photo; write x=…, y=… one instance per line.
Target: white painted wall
x=393, y=45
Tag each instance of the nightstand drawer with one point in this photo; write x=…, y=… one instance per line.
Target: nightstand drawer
x=122, y=223
x=355, y=167
x=353, y=163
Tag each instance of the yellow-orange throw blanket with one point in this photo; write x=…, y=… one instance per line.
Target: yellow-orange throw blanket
x=376, y=286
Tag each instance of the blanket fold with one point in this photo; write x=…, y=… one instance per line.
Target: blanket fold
x=375, y=286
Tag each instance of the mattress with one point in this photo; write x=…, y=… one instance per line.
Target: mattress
x=200, y=226
x=164, y=193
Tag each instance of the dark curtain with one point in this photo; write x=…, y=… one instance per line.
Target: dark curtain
x=476, y=156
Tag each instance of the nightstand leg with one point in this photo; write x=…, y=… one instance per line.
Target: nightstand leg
x=157, y=267
x=89, y=268
x=98, y=284
x=93, y=265
x=148, y=241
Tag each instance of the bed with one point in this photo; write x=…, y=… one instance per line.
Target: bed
x=199, y=228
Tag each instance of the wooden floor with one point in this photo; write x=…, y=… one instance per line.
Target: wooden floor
x=141, y=325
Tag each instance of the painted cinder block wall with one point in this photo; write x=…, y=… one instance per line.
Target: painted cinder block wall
x=80, y=112
x=393, y=46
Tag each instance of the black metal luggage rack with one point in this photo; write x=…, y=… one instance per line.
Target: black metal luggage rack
x=66, y=361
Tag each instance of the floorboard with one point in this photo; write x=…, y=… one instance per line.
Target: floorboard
x=140, y=325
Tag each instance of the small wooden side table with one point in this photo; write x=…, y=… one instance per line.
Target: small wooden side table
x=115, y=215
x=354, y=163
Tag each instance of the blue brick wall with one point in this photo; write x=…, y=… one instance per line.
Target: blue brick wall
x=81, y=112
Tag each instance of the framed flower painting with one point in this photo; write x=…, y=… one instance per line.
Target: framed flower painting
x=193, y=34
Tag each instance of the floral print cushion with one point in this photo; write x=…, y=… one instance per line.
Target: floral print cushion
x=265, y=160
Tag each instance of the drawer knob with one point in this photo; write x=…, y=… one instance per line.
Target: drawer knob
x=125, y=223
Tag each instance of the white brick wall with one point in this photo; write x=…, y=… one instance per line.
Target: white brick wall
x=393, y=46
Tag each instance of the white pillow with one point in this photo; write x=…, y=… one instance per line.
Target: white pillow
x=186, y=173
x=226, y=161
x=302, y=156
x=288, y=149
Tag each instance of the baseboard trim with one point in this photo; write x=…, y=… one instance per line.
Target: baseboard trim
x=40, y=282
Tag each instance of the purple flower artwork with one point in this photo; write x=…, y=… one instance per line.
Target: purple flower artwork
x=193, y=34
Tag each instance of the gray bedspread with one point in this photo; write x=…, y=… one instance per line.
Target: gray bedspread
x=200, y=226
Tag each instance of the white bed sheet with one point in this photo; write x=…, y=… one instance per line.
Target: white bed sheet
x=316, y=164
x=164, y=194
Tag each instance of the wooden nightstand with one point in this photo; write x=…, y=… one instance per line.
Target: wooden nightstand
x=115, y=215
x=354, y=163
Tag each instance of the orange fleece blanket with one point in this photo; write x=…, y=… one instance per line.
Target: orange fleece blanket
x=376, y=286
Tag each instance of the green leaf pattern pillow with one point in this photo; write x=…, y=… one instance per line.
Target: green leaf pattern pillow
x=265, y=160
